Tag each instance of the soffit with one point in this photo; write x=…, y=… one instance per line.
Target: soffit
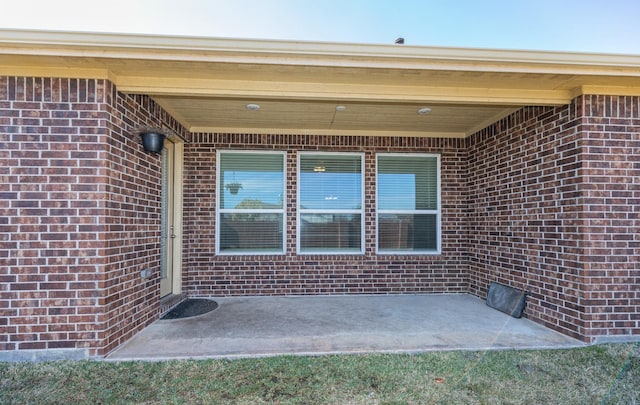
x=206, y=83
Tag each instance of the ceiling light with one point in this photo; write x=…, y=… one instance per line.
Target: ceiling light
x=424, y=110
x=252, y=107
x=340, y=108
x=319, y=169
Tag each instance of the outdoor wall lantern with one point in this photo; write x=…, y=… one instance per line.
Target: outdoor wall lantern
x=152, y=140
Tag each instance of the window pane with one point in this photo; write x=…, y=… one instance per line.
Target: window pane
x=251, y=181
x=407, y=232
x=407, y=183
x=329, y=182
x=250, y=206
x=330, y=232
x=250, y=232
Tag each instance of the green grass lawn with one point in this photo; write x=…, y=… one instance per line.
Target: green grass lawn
x=603, y=374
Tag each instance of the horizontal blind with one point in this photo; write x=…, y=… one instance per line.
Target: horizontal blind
x=408, y=203
x=250, y=202
x=251, y=181
x=330, y=182
x=330, y=203
x=407, y=182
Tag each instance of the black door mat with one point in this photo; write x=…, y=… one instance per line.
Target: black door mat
x=191, y=307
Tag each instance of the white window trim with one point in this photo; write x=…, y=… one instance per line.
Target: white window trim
x=361, y=211
x=282, y=210
x=437, y=212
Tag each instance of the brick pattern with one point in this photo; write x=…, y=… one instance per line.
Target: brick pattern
x=211, y=275
x=525, y=214
x=611, y=199
x=78, y=214
x=52, y=165
x=132, y=219
x=554, y=211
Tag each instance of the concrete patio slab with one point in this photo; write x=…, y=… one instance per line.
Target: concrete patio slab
x=312, y=325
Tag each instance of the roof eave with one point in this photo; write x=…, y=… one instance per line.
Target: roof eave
x=202, y=49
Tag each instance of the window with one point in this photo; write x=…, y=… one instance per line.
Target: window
x=251, y=210
x=408, y=203
x=330, y=203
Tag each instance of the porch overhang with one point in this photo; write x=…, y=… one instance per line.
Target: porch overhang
x=206, y=83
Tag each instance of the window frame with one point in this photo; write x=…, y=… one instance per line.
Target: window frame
x=220, y=210
x=437, y=212
x=300, y=211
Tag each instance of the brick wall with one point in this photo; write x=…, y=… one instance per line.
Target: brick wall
x=52, y=183
x=132, y=218
x=78, y=213
x=553, y=196
x=611, y=198
x=210, y=275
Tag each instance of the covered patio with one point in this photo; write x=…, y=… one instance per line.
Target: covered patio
x=312, y=170
x=314, y=325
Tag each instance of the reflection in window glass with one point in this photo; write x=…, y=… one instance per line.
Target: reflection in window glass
x=407, y=232
x=250, y=202
x=330, y=203
x=330, y=232
x=251, y=180
x=250, y=232
x=408, y=203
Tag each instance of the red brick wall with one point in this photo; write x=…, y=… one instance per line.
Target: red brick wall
x=611, y=198
x=554, y=196
x=132, y=218
x=78, y=215
x=52, y=188
x=211, y=275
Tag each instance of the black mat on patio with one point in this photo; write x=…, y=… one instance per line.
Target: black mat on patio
x=191, y=307
x=506, y=299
